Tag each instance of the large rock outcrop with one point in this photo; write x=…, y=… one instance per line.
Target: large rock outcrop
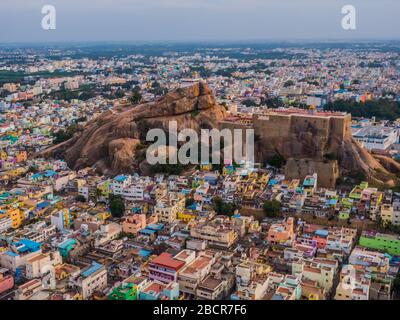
x=110, y=141
x=317, y=142
x=320, y=143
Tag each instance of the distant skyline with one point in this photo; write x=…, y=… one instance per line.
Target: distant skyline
x=197, y=20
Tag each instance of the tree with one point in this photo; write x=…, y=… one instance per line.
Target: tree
x=99, y=193
x=167, y=168
x=189, y=202
x=288, y=83
x=80, y=198
x=223, y=208
x=117, y=205
x=136, y=96
x=272, y=209
x=143, y=126
x=249, y=103
x=64, y=135
x=276, y=161
x=386, y=109
x=33, y=169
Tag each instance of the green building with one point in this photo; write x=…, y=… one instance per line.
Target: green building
x=344, y=214
x=384, y=242
x=66, y=247
x=124, y=292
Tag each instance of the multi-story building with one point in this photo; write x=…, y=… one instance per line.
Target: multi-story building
x=376, y=137
x=6, y=282
x=119, y=183
x=165, y=268
x=28, y=289
x=156, y=290
x=168, y=207
x=280, y=233
x=134, y=223
x=42, y=263
x=91, y=279
x=218, y=232
x=193, y=273
x=354, y=284
x=19, y=253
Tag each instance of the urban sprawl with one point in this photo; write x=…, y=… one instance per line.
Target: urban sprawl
x=237, y=231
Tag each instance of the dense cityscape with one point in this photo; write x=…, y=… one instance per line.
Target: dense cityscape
x=83, y=216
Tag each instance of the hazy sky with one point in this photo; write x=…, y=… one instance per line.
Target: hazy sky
x=183, y=20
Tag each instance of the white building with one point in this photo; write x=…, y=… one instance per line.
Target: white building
x=376, y=137
x=90, y=280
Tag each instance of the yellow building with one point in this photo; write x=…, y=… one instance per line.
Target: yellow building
x=388, y=215
x=16, y=216
x=206, y=167
x=102, y=216
x=168, y=207
x=186, y=216
x=3, y=155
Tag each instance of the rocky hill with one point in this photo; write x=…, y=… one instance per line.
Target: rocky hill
x=113, y=142
x=110, y=142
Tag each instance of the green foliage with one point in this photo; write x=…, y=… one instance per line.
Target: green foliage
x=358, y=176
x=64, y=135
x=80, y=198
x=381, y=109
x=172, y=169
x=330, y=156
x=136, y=96
x=194, y=113
x=156, y=89
x=189, y=202
x=396, y=188
x=33, y=169
x=288, y=83
x=389, y=227
x=276, y=161
x=272, y=208
x=273, y=103
x=249, y=103
x=117, y=205
x=143, y=126
x=352, y=178
x=223, y=208
x=125, y=235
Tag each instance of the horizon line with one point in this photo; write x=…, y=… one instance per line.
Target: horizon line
x=196, y=41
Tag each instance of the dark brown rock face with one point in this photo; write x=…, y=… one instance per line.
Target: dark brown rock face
x=110, y=141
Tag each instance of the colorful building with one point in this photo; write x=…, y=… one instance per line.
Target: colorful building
x=66, y=246
x=281, y=232
x=165, y=268
x=378, y=241
x=127, y=291
x=6, y=282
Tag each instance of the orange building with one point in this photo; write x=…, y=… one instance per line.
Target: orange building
x=280, y=233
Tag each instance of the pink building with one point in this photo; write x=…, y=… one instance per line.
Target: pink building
x=165, y=268
x=321, y=238
x=6, y=283
x=133, y=224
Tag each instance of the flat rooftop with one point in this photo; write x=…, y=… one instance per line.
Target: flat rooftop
x=165, y=259
x=303, y=112
x=92, y=269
